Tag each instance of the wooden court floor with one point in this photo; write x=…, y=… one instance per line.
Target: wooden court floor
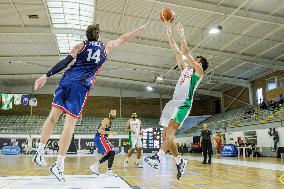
x=216, y=175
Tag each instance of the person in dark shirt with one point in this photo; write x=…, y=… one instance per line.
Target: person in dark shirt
x=275, y=139
x=206, y=143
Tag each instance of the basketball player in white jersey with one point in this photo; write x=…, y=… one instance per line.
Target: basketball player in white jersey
x=178, y=109
x=29, y=142
x=133, y=126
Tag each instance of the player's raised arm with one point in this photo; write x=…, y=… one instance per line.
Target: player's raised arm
x=62, y=64
x=124, y=38
x=174, y=46
x=184, y=48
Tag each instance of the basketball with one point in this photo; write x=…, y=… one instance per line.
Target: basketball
x=167, y=15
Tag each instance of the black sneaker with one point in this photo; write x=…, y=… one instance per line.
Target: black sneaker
x=181, y=168
x=209, y=162
x=153, y=161
x=204, y=162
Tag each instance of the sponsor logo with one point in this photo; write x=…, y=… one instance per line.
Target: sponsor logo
x=281, y=179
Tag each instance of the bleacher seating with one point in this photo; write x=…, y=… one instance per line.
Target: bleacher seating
x=32, y=124
x=237, y=118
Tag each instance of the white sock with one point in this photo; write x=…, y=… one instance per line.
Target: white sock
x=60, y=160
x=178, y=159
x=40, y=149
x=161, y=154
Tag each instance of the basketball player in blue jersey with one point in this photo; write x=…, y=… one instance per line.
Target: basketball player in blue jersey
x=73, y=89
x=103, y=145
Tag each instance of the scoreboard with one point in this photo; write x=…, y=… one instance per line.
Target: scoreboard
x=152, y=139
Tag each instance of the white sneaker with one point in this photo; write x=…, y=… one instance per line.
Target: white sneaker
x=125, y=164
x=153, y=161
x=139, y=164
x=181, y=168
x=57, y=171
x=39, y=160
x=110, y=174
x=95, y=169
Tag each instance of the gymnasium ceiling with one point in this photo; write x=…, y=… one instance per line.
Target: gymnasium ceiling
x=251, y=43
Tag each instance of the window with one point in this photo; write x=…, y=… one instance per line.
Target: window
x=280, y=82
x=259, y=95
x=70, y=14
x=270, y=84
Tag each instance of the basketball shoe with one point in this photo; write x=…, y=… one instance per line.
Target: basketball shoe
x=95, y=169
x=181, y=168
x=153, y=161
x=57, y=171
x=39, y=160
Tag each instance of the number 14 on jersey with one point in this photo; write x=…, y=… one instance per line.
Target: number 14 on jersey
x=94, y=56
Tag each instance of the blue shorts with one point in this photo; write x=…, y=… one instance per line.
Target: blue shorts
x=71, y=98
x=103, y=145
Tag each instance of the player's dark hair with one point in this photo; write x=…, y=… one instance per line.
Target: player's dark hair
x=133, y=112
x=204, y=62
x=92, y=32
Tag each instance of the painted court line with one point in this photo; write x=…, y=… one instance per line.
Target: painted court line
x=260, y=165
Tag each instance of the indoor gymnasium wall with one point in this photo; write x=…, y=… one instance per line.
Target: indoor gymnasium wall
x=100, y=106
x=261, y=83
x=258, y=83
x=274, y=94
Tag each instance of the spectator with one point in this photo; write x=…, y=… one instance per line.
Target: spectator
x=281, y=101
x=23, y=147
x=263, y=105
x=218, y=143
x=29, y=142
x=249, y=149
x=270, y=133
x=275, y=139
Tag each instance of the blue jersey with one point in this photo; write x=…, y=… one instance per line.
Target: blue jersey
x=88, y=62
x=108, y=128
x=101, y=141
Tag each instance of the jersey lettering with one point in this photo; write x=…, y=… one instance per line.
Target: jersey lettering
x=94, y=56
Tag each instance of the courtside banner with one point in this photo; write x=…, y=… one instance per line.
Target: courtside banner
x=229, y=150
x=11, y=150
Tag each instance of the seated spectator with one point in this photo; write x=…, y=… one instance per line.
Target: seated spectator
x=263, y=105
x=281, y=101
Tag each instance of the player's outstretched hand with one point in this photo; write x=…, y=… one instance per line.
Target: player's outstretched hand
x=39, y=83
x=180, y=30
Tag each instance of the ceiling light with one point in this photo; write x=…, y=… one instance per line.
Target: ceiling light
x=160, y=78
x=215, y=30
x=149, y=88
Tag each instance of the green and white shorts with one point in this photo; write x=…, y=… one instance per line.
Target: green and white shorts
x=175, y=109
x=135, y=141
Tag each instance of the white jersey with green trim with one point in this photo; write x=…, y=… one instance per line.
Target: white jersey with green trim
x=183, y=84
x=135, y=126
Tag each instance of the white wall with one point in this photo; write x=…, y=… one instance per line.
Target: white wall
x=232, y=137
x=187, y=140
x=263, y=139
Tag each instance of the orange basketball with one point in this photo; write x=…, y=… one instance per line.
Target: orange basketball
x=167, y=15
